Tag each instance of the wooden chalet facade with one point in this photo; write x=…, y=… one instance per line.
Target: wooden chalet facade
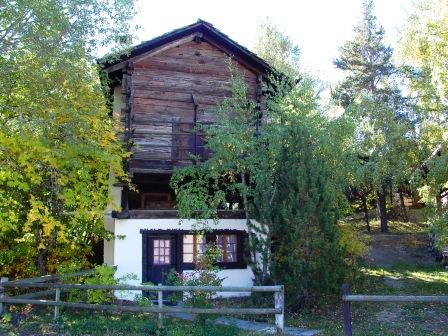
x=164, y=88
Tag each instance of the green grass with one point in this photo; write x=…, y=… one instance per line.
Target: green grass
x=388, y=318
x=417, y=223
x=95, y=323
x=416, y=278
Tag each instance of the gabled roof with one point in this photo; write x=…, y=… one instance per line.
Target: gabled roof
x=204, y=30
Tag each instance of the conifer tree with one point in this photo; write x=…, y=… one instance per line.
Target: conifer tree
x=369, y=95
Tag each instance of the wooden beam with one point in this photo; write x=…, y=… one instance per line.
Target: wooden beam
x=172, y=213
x=232, y=55
x=164, y=47
x=35, y=295
x=151, y=309
x=261, y=289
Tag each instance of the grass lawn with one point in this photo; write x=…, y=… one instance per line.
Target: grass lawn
x=397, y=264
x=388, y=318
x=39, y=321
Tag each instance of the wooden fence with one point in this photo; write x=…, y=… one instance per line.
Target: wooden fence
x=347, y=298
x=56, y=288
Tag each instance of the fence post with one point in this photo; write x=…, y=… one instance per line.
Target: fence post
x=57, y=300
x=346, y=311
x=2, y=295
x=160, y=304
x=279, y=301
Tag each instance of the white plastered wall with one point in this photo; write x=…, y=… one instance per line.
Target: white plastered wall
x=109, y=222
x=128, y=248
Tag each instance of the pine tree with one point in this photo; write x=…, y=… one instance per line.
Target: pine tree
x=366, y=59
x=369, y=94
x=308, y=259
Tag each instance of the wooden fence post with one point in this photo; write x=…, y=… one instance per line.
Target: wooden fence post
x=160, y=304
x=57, y=299
x=2, y=295
x=346, y=311
x=279, y=301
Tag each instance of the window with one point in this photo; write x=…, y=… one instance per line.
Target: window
x=194, y=245
x=227, y=243
x=162, y=251
x=156, y=201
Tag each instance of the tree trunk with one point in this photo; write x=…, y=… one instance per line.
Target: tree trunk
x=382, y=211
x=439, y=204
x=43, y=254
x=403, y=207
x=41, y=261
x=366, y=211
x=414, y=199
x=391, y=195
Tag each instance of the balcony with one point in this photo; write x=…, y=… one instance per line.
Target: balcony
x=160, y=146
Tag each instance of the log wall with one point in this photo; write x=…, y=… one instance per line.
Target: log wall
x=163, y=113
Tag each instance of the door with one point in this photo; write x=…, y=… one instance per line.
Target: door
x=161, y=257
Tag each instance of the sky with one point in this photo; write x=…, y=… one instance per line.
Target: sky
x=318, y=27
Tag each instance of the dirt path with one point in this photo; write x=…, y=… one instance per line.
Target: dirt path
x=391, y=249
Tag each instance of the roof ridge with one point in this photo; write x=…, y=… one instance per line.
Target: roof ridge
x=185, y=30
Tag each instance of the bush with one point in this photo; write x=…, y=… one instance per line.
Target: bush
x=205, y=274
x=103, y=275
x=308, y=259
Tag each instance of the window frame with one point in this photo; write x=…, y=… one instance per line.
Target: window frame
x=240, y=262
x=177, y=234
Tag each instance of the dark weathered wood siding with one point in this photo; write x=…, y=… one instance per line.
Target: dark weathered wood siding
x=162, y=84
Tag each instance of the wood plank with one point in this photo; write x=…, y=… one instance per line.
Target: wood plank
x=163, y=48
x=45, y=278
x=181, y=67
x=34, y=295
x=185, y=73
x=396, y=298
x=259, y=289
x=151, y=214
x=150, y=309
x=177, y=96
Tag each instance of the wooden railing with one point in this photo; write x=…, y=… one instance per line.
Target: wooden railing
x=160, y=309
x=164, y=144
x=347, y=298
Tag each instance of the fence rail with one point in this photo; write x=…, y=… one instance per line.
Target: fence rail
x=347, y=298
x=160, y=309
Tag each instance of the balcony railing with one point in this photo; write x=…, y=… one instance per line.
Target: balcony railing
x=165, y=145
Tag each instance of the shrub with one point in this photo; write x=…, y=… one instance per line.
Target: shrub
x=103, y=275
x=205, y=274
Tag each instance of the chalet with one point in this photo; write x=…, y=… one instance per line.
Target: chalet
x=163, y=89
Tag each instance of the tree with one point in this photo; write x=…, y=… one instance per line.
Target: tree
x=277, y=49
x=424, y=51
x=285, y=178
x=57, y=141
x=385, y=133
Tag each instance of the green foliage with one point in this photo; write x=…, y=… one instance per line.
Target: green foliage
x=177, y=329
x=103, y=275
x=72, y=322
x=277, y=49
x=277, y=173
x=354, y=245
x=306, y=211
x=174, y=278
x=438, y=225
x=205, y=274
x=383, y=141
x=58, y=144
x=424, y=46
